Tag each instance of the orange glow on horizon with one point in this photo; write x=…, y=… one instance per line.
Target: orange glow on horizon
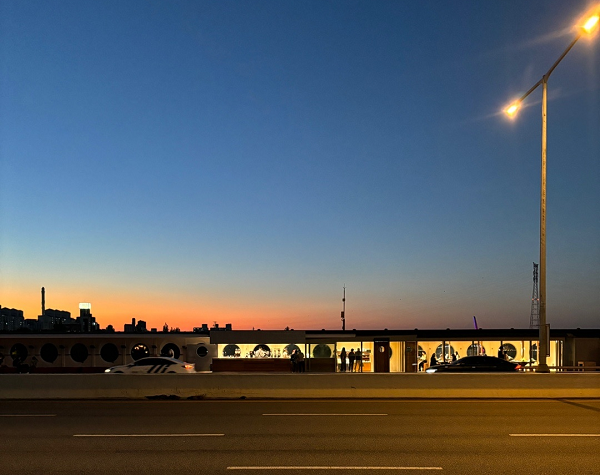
x=116, y=308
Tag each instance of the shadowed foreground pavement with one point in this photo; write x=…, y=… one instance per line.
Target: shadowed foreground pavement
x=299, y=437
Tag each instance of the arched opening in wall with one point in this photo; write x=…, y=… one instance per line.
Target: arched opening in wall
x=322, y=351
x=231, y=350
x=448, y=351
x=171, y=349
x=421, y=357
x=202, y=351
x=109, y=352
x=49, y=353
x=509, y=350
x=79, y=352
x=262, y=351
x=139, y=351
x=289, y=349
x=18, y=353
x=476, y=349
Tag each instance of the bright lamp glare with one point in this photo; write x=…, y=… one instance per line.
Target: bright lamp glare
x=512, y=109
x=591, y=23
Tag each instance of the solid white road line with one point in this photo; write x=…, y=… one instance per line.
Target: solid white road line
x=324, y=414
x=148, y=435
x=554, y=435
x=332, y=468
x=27, y=415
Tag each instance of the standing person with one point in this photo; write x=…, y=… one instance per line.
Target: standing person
x=343, y=360
x=358, y=357
x=351, y=357
x=433, y=361
x=501, y=353
x=294, y=360
x=300, y=362
x=453, y=357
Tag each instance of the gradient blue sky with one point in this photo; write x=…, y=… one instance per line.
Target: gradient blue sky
x=240, y=161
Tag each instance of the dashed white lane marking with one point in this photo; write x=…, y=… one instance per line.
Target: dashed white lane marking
x=554, y=435
x=332, y=468
x=148, y=435
x=323, y=414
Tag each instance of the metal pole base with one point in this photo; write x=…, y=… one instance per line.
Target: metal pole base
x=542, y=368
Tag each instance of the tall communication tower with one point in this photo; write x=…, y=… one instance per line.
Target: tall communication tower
x=534, y=319
x=344, y=310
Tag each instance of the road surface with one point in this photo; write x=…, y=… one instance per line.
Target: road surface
x=300, y=437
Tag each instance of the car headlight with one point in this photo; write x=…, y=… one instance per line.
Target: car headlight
x=431, y=370
x=107, y=370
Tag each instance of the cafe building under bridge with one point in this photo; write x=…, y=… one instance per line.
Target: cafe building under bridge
x=374, y=351
x=394, y=350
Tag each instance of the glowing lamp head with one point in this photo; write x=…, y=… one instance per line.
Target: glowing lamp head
x=512, y=109
x=591, y=23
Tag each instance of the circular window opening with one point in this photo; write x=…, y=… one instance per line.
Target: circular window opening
x=109, y=352
x=18, y=353
x=202, y=351
x=79, y=352
x=262, y=351
x=509, y=350
x=322, y=351
x=231, y=350
x=448, y=352
x=49, y=353
x=171, y=349
x=139, y=351
x=289, y=349
x=476, y=350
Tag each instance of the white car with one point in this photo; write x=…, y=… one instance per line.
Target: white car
x=154, y=365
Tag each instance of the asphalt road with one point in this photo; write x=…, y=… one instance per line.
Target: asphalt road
x=300, y=437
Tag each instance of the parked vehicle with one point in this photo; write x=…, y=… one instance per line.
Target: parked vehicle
x=154, y=365
x=476, y=364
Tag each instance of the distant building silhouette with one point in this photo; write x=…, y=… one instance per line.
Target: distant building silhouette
x=55, y=318
x=139, y=327
x=87, y=323
x=50, y=320
x=11, y=319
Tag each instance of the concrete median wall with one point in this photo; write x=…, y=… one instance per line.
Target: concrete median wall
x=298, y=386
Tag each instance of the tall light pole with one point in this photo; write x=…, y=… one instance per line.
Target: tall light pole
x=588, y=26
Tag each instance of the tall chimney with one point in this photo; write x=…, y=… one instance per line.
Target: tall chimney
x=43, y=301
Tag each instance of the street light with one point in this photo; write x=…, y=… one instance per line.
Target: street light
x=588, y=26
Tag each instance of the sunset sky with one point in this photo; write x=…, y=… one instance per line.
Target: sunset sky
x=241, y=161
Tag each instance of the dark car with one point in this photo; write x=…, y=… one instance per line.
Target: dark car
x=476, y=364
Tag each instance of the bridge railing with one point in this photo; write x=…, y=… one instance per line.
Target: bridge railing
x=565, y=369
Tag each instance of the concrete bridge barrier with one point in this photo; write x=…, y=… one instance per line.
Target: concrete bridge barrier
x=298, y=386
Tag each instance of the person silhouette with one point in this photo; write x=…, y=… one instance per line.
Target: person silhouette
x=358, y=358
x=294, y=360
x=351, y=357
x=300, y=361
x=433, y=360
x=343, y=360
